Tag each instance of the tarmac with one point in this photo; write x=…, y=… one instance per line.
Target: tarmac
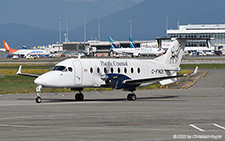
x=196, y=113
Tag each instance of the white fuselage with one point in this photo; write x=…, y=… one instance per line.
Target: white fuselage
x=140, y=51
x=81, y=73
x=25, y=52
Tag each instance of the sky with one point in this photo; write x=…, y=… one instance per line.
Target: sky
x=38, y=20
x=46, y=13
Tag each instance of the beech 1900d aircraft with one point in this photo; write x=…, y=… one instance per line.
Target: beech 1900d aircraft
x=126, y=74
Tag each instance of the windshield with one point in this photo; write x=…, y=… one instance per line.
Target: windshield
x=59, y=68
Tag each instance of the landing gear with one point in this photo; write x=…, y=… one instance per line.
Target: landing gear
x=131, y=97
x=38, y=90
x=79, y=96
x=38, y=99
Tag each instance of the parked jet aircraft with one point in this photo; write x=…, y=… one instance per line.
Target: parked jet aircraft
x=23, y=52
x=117, y=49
x=126, y=74
x=134, y=50
x=145, y=51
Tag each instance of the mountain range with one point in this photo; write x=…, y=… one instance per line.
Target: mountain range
x=148, y=21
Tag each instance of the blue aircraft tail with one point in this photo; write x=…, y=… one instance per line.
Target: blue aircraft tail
x=132, y=44
x=112, y=43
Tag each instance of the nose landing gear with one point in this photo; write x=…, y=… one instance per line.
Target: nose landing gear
x=38, y=90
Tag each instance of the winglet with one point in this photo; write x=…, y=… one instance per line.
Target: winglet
x=24, y=74
x=19, y=70
x=195, y=71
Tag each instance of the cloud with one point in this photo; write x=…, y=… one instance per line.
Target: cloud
x=94, y=1
x=137, y=1
x=89, y=1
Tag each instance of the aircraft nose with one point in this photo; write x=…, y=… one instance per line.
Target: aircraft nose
x=48, y=79
x=38, y=81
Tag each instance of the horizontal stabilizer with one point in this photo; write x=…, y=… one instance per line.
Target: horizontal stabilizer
x=195, y=71
x=168, y=81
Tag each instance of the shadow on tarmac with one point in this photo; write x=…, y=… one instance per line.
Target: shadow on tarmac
x=159, y=98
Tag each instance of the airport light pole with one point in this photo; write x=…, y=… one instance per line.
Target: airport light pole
x=84, y=29
x=130, y=21
x=99, y=29
x=60, y=30
x=67, y=28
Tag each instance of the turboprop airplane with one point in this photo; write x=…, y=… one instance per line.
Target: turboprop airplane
x=126, y=74
x=23, y=52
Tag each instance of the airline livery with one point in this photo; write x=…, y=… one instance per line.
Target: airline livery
x=23, y=52
x=135, y=50
x=126, y=74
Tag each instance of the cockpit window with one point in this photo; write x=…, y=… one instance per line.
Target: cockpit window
x=59, y=68
x=70, y=69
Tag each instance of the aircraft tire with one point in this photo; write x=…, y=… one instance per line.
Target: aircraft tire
x=79, y=96
x=38, y=99
x=131, y=97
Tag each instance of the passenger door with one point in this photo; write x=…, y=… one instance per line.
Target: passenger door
x=78, y=72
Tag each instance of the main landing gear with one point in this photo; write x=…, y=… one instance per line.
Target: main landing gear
x=131, y=96
x=79, y=96
x=38, y=90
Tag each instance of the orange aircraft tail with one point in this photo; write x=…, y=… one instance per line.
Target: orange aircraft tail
x=7, y=48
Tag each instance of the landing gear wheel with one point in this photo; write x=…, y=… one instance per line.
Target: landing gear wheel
x=38, y=99
x=131, y=97
x=79, y=96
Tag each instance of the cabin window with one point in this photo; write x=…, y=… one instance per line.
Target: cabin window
x=125, y=70
x=111, y=70
x=105, y=70
x=98, y=70
x=132, y=70
x=118, y=70
x=70, y=69
x=91, y=70
x=138, y=70
x=59, y=68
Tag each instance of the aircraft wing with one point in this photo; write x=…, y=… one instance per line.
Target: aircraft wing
x=140, y=81
x=24, y=74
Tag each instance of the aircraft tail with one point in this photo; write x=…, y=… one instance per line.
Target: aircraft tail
x=132, y=44
x=112, y=43
x=174, y=54
x=7, y=47
x=172, y=58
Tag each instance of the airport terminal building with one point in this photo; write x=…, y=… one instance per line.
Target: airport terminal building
x=216, y=31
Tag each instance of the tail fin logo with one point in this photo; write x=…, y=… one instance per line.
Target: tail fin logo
x=175, y=55
x=6, y=46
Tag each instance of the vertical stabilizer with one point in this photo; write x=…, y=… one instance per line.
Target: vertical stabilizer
x=112, y=43
x=132, y=44
x=174, y=54
x=7, y=48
